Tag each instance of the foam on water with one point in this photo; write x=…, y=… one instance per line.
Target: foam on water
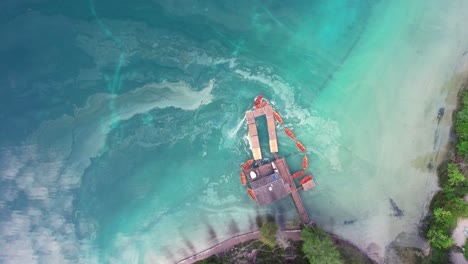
x=56, y=156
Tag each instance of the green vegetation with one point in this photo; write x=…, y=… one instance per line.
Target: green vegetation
x=318, y=247
x=409, y=254
x=352, y=255
x=268, y=234
x=466, y=250
x=211, y=260
x=461, y=126
x=439, y=232
x=448, y=204
x=315, y=247
x=245, y=253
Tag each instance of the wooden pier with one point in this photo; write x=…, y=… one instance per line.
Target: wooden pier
x=253, y=133
x=271, y=181
x=281, y=163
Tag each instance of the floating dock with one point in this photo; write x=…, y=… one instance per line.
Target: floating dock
x=253, y=133
x=271, y=181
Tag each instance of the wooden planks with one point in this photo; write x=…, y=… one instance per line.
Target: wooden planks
x=257, y=154
x=259, y=112
x=273, y=146
x=254, y=142
x=286, y=175
x=271, y=129
x=250, y=117
x=309, y=185
x=253, y=130
x=272, y=191
x=268, y=110
x=253, y=135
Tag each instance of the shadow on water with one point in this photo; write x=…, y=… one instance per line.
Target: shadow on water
x=189, y=245
x=233, y=227
x=396, y=210
x=280, y=216
x=252, y=224
x=212, y=236
x=170, y=256
x=185, y=253
x=259, y=220
x=269, y=217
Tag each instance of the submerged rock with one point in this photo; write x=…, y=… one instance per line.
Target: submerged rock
x=396, y=210
x=440, y=113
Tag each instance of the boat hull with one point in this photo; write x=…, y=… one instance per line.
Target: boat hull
x=247, y=164
x=300, y=146
x=243, y=179
x=289, y=133
x=278, y=117
x=297, y=174
x=306, y=179
x=252, y=194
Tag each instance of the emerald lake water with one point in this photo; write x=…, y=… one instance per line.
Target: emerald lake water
x=122, y=122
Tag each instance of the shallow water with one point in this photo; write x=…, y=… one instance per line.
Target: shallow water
x=123, y=125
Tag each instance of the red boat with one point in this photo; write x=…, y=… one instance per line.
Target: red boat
x=252, y=194
x=306, y=179
x=262, y=104
x=305, y=162
x=297, y=174
x=289, y=133
x=258, y=99
x=243, y=180
x=278, y=118
x=300, y=146
x=247, y=164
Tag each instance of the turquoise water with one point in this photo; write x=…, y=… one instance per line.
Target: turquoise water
x=123, y=131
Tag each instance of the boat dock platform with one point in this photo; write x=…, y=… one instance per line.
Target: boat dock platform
x=281, y=164
x=253, y=133
x=270, y=181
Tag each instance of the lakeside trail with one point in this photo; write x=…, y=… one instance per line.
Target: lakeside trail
x=228, y=244
x=460, y=240
x=231, y=242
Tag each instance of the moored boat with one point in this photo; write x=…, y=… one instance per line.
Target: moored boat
x=300, y=146
x=258, y=99
x=247, y=164
x=262, y=104
x=252, y=194
x=289, y=133
x=306, y=179
x=305, y=162
x=243, y=180
x=297, y=174
x=278, y=117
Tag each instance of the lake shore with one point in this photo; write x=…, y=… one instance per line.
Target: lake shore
x=292, y=235
x=454, y=161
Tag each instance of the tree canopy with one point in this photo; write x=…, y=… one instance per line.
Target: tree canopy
x=437, y=234
x=268, y=234
x=318, y=247
x=455, y=177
